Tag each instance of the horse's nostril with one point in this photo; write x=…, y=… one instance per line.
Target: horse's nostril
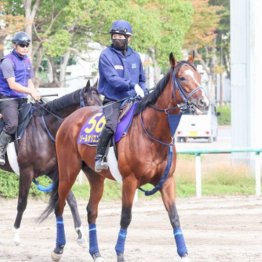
x=202, y=102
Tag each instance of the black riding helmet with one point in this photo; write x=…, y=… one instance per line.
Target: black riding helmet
x=21, y=38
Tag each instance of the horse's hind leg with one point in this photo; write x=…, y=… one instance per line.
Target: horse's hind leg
x=76, y=217
x=25, y=181
x=168, y=196
x=96, y=192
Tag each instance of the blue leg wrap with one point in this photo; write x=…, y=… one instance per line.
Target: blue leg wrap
x=93, y=245
x=60, y=233
x=120, y=245
x=180, y=242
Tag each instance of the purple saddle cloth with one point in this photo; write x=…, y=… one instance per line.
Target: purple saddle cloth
x=93, y=126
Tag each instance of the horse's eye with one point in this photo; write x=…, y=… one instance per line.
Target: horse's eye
x=182, y=78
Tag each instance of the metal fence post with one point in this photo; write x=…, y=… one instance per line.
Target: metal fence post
x=198, y=176
x=257, y=174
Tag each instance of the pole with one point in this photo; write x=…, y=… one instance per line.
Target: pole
x=257, y=174
x=198, y=176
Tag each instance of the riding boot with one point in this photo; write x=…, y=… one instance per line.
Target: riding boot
x=100, y=161
x=4, y=140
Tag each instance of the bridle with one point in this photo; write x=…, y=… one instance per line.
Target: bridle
x=177, y=83
x=187, y=105
x=173, y=121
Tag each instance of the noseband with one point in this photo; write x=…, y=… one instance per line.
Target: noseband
x=177, y=84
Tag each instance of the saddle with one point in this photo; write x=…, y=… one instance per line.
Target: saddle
x=24, y=117
x=93, y=126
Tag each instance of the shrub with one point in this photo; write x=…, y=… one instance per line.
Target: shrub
x=225, y=115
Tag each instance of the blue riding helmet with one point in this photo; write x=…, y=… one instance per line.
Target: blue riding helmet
x=121, y=27
x=21, y=38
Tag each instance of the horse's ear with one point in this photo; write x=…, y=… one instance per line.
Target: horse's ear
x=88, y=84
x=191, y=57
x=172, y=60
x=95, y=84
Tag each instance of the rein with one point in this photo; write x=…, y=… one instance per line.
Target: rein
x=172, y=143
x=52, y=138
x=173, y=121
x=44, y=125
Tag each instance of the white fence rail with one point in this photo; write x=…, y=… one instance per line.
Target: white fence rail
x=199, y=152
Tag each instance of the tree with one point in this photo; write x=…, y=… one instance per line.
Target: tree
x=61, y=28
x=158, y=25
x=203, y=37
x=10, y=22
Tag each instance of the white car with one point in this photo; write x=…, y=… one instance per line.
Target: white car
x=203, y=126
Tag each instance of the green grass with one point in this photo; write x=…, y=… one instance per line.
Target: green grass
x=9, y=183
x=112, y=190
x=218, y=180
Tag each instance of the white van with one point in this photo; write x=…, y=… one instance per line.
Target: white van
x=203, y=126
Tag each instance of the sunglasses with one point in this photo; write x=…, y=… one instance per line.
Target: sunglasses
x=23, y=45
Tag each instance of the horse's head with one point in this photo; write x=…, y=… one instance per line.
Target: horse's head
x=186, y=82
x=91, y=95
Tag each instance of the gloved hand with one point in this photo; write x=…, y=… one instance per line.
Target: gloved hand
x=139, y=91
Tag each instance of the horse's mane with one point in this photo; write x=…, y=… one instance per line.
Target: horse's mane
x=64, y=101
x=152, y=97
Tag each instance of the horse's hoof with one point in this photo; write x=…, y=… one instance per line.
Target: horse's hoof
x=185, y=259
x=99, y=259
x=55, y=256
x=16, y=236
x=120, y=258
x=17, y=240
x=81, y=239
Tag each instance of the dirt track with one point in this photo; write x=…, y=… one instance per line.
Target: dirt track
x=215, y=229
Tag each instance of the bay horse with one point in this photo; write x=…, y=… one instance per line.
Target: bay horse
x=146, y=154
x=34, y=154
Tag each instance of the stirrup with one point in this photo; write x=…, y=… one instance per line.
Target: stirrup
x=2, y=161
x=100, y=165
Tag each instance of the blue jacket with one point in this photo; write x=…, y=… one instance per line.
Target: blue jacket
x=22, y=73
x=119, y=73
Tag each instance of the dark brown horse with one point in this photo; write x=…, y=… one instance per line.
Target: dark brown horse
x=146, y=154
x=35, y=151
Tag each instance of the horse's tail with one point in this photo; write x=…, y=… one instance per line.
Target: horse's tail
x=52, y=202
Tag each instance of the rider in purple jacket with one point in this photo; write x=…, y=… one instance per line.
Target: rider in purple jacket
x=121, y=76
x=16, y=83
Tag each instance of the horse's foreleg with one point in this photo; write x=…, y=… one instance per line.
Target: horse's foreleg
x=96, y=193
x=76, y=217
x=63, y=190
x=168, y=196
x=25, y=181
x=128, y=193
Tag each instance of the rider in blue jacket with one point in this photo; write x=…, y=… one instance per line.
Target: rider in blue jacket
x=16, y=83
x=121, y=76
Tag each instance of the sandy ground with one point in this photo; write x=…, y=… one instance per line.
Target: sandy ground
x=216, y=229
